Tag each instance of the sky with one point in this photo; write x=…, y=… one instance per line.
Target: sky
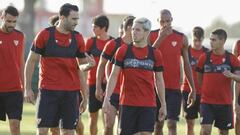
x=186, y=13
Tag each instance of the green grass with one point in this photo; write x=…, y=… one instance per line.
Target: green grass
x=28, y=126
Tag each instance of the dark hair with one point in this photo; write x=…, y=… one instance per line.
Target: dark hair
x=128, y=21
x=10, y=10
x=53, y=20
x=198, y=32
x=66, y=8
x=222, y=34
x=101, y=21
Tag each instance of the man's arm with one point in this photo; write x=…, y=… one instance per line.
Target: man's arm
x=28, y=73
x=162, y=34
x=22, y=63
x=99, y=77
x=86, y=63
x=160, y=87
x=188, y=72
x=110, y=87
x=83, y=91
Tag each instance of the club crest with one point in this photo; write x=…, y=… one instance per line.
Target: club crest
x=15, y=42
x=174, y=43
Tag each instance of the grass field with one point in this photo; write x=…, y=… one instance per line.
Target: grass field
x=28, y=126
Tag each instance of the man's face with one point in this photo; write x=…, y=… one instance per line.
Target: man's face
x=138, y=33
x=9, y=22
x=165, y=20
x=197, y=42
x=215, y=42
x=71, y=21
x=97, y=30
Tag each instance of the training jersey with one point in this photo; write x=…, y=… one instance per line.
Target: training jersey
x=94, y=46
x=58, y=64
x=171, y=48
x=216, y=88
x=238, y=47
x=11, y=53
x=108, y=53
x=138, y=66
x=193, y=56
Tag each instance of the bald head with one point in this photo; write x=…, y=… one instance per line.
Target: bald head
x=165, y=12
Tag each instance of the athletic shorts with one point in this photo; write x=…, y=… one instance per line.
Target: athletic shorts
x=173, y=101
x=136, y=119
x=94, y=104
x=114, y=100
x=57, y=108
x=11, y=104
x=221, y=115
x=192, y=112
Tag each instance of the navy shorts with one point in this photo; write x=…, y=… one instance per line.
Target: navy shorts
x=94, y=104
x=136, y=119
x=192, y=112
x=221, y=115
x=57, y=108
x=173, y=101
x=114, y=100
x=11, y=103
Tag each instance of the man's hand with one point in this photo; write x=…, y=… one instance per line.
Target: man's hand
x=106, y=106
x=191, y=99
x=90, y=60
x=29, y=96
x=99, y=94
x=228, y=74
x=83, y=106
x=165, y=31
x=162, y=113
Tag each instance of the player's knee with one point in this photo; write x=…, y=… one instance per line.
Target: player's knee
x=172, y=124
x=159, y=125
x=14, y=125
x=190, y=124
x=42, y=131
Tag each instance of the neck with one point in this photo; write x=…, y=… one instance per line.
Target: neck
x=61, y=29
x=3, y=29
x=127, y=38
x=196, y=47
x=103, y=36
x=219, y=51
x=140, y=44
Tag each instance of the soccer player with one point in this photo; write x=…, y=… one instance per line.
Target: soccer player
x=236, y=52
x=94, y=47
x=194, y=52
x=61, y=51
x=107, y=56
x=141, y=66
x=11, y=69
x=216, y=95
x=173, y=45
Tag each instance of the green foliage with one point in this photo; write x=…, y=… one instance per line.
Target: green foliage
x=233, y=30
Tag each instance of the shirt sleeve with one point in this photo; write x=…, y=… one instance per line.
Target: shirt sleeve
x=108, y=50
x=235, y=63
x=158, y=66
x=81, y=46
x=201, y=62
x=88, y=46
x=40, y=41
x=119, y=56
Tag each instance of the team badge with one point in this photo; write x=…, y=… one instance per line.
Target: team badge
x=0, y=42
x=56, y=41
x=223, y=60
x=15, y=42
x=70, y=40
x=174, y=43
